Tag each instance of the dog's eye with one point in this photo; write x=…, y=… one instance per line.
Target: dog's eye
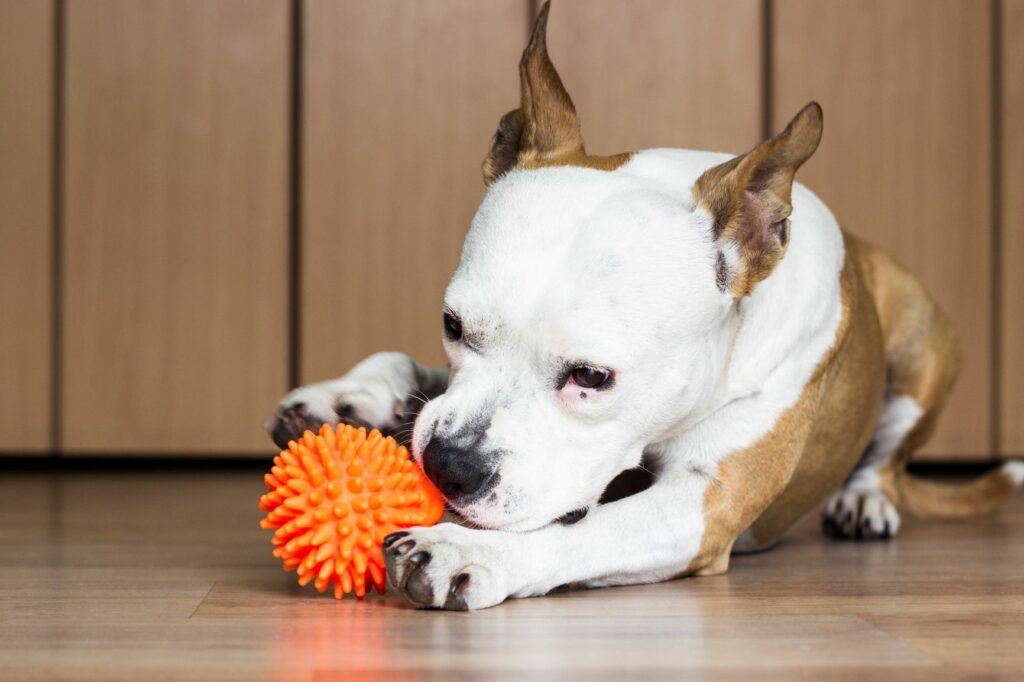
x=452, y=326
x=590, y=377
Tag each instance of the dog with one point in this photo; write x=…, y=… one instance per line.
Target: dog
x=696, y=317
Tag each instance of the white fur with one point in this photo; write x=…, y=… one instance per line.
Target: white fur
x=615, y=269
x=1015, y=470
x=861, y=501
x=376, y=389
x=863, y=510
x=899, y=415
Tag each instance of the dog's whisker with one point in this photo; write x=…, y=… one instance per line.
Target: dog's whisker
x=422, y=399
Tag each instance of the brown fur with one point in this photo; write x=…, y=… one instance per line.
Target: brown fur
x=923, y=358
x=813, y=446
x=891, y=335
x=921, y=347
x=929, y=499
x=749, y=198
x=545, y=130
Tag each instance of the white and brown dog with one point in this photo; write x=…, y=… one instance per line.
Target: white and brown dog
x=693, y=315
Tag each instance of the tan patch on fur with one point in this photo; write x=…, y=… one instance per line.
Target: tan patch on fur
x=813, y=446
x=580, y=159
x=922, y=352
x=923, y=359
x=717, y=565
x=931, y=499
x=749, y=198
x=545, y=130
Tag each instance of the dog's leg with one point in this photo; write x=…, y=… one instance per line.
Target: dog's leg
x=384, y=391
x=861, y=510
x=922, y=360
x=666, y=531
x=648, y=537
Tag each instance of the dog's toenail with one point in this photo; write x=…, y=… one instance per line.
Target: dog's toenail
x=459, y=584
x=456, y=600
x=420, y=559
x=403, y=547
x=394, y=537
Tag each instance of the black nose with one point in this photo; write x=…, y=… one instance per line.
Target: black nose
x=457, y=472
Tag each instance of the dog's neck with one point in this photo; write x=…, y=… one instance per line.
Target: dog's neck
x=776, y=336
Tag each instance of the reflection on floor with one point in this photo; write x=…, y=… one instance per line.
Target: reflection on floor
x=148, y=576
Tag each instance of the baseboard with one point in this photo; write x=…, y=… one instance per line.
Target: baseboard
x=129, y=463
x=247, y=461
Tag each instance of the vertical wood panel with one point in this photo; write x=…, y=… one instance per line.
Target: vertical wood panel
x=661, y=73
x=905, y=158
x=26, y=127
x=175, y=259
x=1012, y=222
x=400, y=102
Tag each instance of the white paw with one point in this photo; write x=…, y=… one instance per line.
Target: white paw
x=1015, y=470
x=860, y=515
x=375, y=394
x=447, y=567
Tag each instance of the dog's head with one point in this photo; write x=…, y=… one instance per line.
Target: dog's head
x=593, y=309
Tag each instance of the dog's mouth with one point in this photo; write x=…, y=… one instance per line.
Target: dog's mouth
x=487, y=510
x=575, y=516
x=517, y=524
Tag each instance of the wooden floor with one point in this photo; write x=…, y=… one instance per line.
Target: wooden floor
x=167, y=576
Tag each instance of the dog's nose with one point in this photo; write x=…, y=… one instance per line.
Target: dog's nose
x=457, y=472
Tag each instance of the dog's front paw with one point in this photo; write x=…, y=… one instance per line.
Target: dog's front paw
x=379, y=393
x=860, y=515
x=446, y=567
x=306, y=408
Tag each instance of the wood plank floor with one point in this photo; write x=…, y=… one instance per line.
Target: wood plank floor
x=150, y=576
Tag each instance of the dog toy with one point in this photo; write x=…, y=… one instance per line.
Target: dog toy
x=333, y=498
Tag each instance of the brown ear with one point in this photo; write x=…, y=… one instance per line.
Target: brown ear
x=749, y=199
x=545, y=127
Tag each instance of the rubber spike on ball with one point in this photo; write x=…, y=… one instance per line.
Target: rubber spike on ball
x=333, y=497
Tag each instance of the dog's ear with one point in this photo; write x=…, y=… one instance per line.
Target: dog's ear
x=545, y=127
x=749, y=199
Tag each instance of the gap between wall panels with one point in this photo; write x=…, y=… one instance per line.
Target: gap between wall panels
x=996, y=197
x=767, y=82
x=57, y=229
x=294, y=298
x=295, y=201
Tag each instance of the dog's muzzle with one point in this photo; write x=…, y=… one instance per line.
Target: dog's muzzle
x=459, y=473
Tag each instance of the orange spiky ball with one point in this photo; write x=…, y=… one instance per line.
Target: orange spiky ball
x=334, y=497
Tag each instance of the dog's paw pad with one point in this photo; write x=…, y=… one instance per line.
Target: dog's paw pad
x=860, y=515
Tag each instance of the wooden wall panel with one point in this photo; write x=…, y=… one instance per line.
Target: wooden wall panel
x=26, y=127
x=905, y=158
x=176, y=224
x=401, y=100
x=1012, y=222
x=661, y=73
